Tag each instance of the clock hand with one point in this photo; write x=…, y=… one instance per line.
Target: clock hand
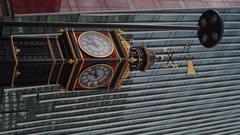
x=95, y=43
x=91, y=73
x=95, y=74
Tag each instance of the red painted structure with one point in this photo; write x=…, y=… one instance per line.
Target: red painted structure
x=85, y=56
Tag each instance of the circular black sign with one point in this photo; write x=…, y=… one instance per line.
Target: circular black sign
x=211, y=28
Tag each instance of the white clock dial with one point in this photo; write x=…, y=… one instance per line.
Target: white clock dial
x=96, y=44
x=95, y=76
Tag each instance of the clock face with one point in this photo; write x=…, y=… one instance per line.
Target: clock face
x=95, y=76
x=96, y=44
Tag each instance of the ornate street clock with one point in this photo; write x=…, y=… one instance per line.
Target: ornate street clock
x=75, y=60
x=79, y=60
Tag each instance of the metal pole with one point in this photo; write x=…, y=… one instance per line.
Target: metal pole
x=96, y=25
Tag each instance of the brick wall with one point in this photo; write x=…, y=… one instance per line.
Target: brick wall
x=41, y=6
x=93, y=5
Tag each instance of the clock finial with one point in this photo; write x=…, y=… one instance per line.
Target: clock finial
x=138, y=58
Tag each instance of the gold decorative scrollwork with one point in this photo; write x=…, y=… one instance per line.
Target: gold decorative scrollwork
x=125, y=45
x=125, y=74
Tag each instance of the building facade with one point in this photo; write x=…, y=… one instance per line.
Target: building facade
x=162, y=100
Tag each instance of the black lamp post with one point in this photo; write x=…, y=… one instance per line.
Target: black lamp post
x=210, y=27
